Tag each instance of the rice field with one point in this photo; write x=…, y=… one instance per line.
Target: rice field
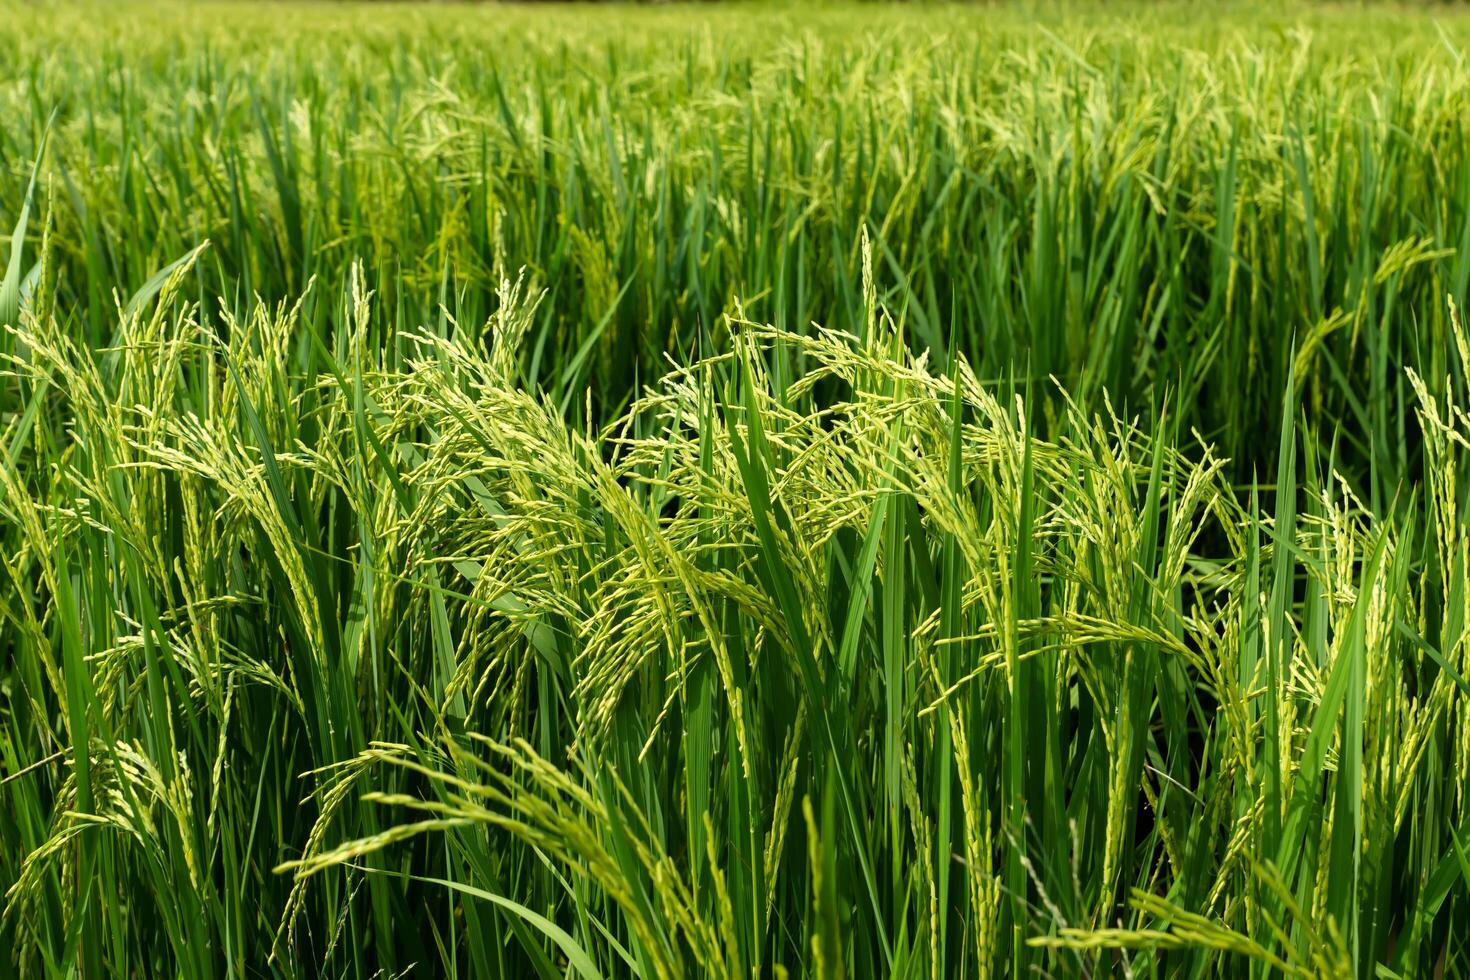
x=830, y=491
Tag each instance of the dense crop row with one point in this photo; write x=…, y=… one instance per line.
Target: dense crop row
x=1136, y=199
x=728, y=492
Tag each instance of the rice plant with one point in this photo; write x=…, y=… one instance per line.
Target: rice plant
x=674, y=492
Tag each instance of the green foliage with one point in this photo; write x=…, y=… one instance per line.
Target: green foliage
x=837, y=552
x=1121, y=198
